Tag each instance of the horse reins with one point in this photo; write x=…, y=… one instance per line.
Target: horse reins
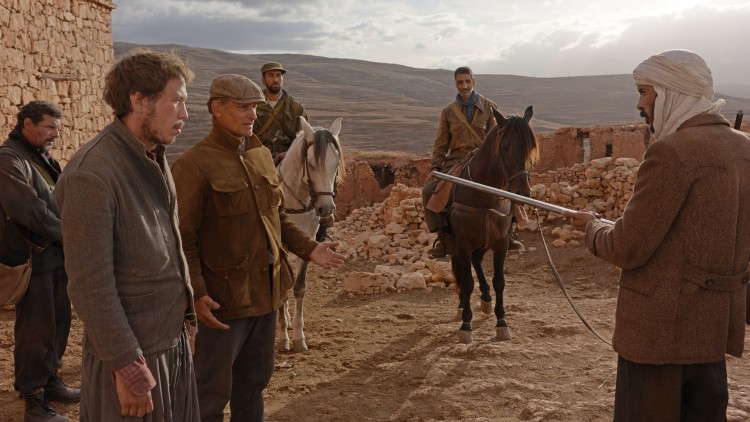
x=562, y=284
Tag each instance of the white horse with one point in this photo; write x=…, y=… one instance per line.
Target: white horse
x=311, y=168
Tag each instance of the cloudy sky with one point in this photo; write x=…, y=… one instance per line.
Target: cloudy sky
x=542, y=38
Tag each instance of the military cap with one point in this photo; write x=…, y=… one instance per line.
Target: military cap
x=272, y=66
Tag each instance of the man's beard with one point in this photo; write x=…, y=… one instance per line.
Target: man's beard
x=149, y=134
x=650, y=125
x=274, y=89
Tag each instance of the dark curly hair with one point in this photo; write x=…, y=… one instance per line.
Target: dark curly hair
x=36, y=110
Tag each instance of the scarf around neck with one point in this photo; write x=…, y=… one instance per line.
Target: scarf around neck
x=468, y=105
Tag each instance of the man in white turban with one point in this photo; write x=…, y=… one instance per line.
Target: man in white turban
x=683, y=249
x=683, y=86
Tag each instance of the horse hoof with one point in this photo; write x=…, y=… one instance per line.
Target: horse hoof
x=487, y=307
x=464, y=337
x=502, y=333
x=300, y=346
x=284, y=346
x=459, y=314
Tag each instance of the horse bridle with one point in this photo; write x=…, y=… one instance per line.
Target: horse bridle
x=503, y=169
x=310, y=189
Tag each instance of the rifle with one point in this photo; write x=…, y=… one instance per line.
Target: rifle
x=738, y=120
x=508, y=195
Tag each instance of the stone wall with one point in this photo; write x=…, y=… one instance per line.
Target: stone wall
x=565, y=147
x=56, y=51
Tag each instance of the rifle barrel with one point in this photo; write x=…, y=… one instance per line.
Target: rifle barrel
x=508, y=195
x=738, y=120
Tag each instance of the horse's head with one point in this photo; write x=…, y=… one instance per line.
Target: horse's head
x=324, y=163
x=518, y=148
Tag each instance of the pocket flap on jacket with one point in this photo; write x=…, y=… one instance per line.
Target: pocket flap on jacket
x=228, y=266
x=273, y=179
x=228, y=185
x=710, y=281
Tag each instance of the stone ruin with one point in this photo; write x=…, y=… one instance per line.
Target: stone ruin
x=393, y=234
x=57, y=51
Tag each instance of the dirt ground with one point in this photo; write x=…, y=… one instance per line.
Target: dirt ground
x=395, y=356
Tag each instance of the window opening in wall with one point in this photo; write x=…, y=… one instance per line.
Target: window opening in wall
x=586, y=149
x=608, y=152
x=384, y=174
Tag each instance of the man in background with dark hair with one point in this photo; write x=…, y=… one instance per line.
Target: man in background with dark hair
x=30, y=224
x=129, y=280
x=463, y=125
x=278, y=116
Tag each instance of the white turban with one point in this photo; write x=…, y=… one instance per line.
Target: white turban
x=684, y=88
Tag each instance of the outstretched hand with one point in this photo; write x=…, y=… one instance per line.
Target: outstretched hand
x=579, y=219
x=324, y=255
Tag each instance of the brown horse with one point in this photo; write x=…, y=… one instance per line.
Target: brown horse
x=481, y=222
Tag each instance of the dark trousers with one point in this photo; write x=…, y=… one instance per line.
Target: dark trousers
x=41, y=330
x=671, y=393
x=234, y=366
x=434, y=220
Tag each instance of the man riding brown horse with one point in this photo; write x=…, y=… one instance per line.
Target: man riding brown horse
x=463, y=125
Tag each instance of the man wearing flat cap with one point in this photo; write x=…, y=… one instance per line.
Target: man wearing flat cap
x=278, y=117
x=233, y=225
x=683, y=248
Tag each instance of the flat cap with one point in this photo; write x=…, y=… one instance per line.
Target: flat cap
x=272, y=66
x=237, y=88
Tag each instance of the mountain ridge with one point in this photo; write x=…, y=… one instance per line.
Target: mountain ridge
x=392, y=107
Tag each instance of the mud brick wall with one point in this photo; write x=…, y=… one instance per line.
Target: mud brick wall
x=56, y=51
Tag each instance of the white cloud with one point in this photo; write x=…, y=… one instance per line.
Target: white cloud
x=531, y=37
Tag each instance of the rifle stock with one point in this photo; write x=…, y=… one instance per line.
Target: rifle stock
x=508, y=195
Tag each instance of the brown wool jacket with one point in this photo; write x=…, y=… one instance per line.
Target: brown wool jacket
x=233, y=224
x=454, y=139
x=683, y=247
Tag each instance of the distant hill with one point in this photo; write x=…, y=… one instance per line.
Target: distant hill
x=388, y=107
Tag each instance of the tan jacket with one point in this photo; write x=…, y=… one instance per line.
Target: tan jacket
x=683, y=247
x=454, y=139
x=232, y=224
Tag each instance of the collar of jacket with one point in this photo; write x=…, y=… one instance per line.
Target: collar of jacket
x=21, y=146
x=704, y=119
x=232, y=143
x=122, y=133
x=480, y=104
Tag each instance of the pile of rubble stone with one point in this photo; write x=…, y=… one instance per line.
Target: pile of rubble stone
x=394, y=232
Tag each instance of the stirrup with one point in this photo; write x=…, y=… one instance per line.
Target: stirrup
x=438, y=249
